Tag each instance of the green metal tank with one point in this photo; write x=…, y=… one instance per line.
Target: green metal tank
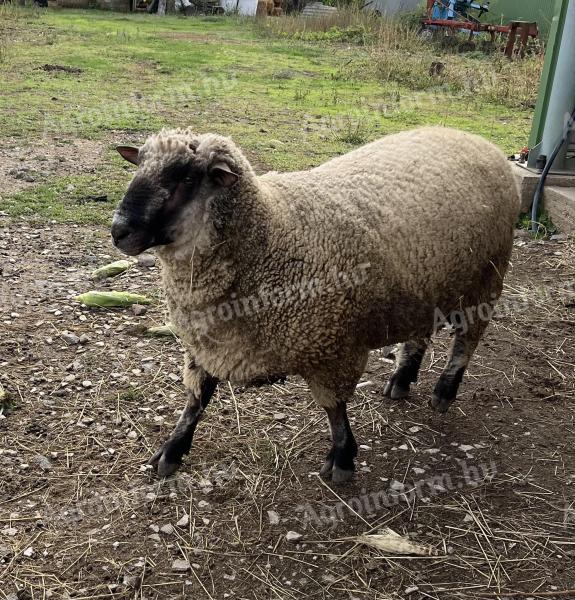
x=523, y=10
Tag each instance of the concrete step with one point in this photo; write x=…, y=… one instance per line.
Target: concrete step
x=559, y=202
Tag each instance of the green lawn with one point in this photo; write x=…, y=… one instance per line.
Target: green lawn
x=289, y=104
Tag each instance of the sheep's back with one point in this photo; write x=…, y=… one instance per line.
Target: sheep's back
x=431, y=210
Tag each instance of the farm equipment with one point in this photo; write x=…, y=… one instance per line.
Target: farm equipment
x=465, y=15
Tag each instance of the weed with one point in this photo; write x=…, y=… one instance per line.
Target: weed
x=545, y=225
x=131, y=394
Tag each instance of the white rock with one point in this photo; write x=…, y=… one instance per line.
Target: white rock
x=29, y=552
x=273, y=517
x=181, y=566
x=184, y=521
x=293, y=536
x=167, y=529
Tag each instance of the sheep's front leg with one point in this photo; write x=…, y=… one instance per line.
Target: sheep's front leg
x=332, y=387
x=339, y=463
x=200, y=388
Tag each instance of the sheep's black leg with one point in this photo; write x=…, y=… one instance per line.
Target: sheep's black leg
x=169, y=457
x=445, y=391
x=339, y=463
x=407, y=366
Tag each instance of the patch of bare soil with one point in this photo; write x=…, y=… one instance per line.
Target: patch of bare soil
x=23, y=165
x=489, y=486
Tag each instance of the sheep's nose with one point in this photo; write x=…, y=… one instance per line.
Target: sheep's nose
x=120, y=229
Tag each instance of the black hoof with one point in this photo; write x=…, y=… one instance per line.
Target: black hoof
x=163, y=464
x=341, y=475
x=335, y=474
x=331, y=471
x=441, y=405
x=395, y=390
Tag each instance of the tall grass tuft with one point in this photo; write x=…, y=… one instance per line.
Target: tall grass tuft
x=11, y=16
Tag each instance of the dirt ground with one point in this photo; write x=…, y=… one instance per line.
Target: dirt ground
x=488, y=489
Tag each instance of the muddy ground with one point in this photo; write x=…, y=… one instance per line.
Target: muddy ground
x=489, y=488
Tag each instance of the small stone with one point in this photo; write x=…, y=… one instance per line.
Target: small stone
x=84, y=339
x=167, y=529
x=396, y=486
x=155, y=537
x=280, y=416
x=146, y=260
x=133, y=435
x=203, y=504
x=86, y=383
x=273, y=517
x=414, y=429
x=411, y=590
x=70, y=338
x=184, y=521
x=139, y=309
x=181, y=566
x=43, y=462
x=468, y=518
x=293, y=536
x=154, y=528
x=131, y=581
x=29, y=552
x=418, y=471
x=466, y=448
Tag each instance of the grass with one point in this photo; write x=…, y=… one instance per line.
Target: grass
x=290, y=100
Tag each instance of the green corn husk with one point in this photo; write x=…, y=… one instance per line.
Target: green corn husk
x=111, y=299
x=162, y=331
x=112, y=269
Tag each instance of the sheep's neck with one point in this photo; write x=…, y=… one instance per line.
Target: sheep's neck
x=201, y=276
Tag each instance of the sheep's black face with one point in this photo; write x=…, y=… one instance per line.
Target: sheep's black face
x=161, y=203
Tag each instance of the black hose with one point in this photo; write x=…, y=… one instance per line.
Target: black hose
x=539, y=191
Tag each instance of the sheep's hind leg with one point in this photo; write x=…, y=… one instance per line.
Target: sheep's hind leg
x=200, y=388
x=407, y=366
x=339, y=463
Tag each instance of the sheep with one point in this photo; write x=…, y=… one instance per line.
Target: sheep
x=304, y=273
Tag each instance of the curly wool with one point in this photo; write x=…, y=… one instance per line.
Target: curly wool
x=305, y=272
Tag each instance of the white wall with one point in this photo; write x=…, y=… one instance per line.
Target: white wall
x=391, y=7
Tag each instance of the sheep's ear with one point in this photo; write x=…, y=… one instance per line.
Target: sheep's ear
x=221, y=173
x=129, y=153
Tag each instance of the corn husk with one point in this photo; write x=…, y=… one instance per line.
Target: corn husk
x=112, y=269
x=111, y=299
x=390, y=542
x=162, y=330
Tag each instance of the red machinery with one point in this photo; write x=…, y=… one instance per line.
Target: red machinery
x=455, y=15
